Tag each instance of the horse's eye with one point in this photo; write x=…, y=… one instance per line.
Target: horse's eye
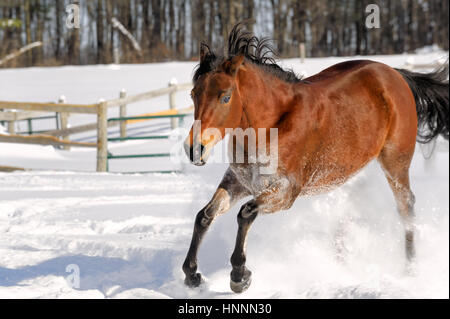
x=225, y=99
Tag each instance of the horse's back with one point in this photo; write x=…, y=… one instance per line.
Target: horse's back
x=338, y=70
x=369, y=88
x=363, y=105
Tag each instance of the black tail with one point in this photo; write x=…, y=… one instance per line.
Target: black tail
x=431, y=94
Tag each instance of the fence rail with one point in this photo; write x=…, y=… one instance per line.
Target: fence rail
x=147, y=95
x=12, y=117
x=18, y=116
x=41, y=140
x=50, y=107
x=177, y=117
x=10, y=168
x=33, y=109
x=92, y=126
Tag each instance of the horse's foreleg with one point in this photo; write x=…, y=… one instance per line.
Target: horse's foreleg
x=228, y=192
x=240, y=275
x=219, y=204
x=275, y=198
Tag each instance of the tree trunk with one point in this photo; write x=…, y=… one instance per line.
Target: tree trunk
x=100, y=39
x=155, y=40
x=211, y=21
x=181, y=30
x=58, y=38
x=40, y=11
x=29, y=55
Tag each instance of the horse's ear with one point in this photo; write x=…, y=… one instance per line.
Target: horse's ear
x=204, y=51
x=234, y=64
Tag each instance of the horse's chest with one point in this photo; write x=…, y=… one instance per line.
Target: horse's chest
x=252, y=179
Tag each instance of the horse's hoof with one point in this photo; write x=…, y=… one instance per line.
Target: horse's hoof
x=241, y=286
x=193, y=281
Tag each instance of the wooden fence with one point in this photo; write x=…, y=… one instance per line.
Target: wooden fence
x=12, y=117
x=99, y=109
x=60, y=137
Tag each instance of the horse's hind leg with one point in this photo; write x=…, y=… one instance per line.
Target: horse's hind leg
x=396, y=163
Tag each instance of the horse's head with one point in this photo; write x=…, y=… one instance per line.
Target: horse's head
x=217, y=104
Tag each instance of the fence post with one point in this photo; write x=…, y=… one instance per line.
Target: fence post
x=123, y=113
x=302, y=50
x=64, y=118
x=30, y=126
x=173, y=121
x=102, y=137
x=12, y=127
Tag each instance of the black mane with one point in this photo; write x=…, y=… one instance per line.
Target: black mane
x=258, y=51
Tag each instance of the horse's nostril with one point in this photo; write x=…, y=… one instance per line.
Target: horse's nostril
x=202, y=149
x=191, y=154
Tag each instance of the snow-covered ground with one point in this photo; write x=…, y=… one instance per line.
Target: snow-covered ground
x=128, y=233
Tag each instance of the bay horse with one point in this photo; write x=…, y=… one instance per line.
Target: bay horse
x=330, y=126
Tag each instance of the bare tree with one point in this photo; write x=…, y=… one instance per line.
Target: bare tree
x=160, y=28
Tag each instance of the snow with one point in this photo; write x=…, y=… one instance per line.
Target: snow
x=128, y=233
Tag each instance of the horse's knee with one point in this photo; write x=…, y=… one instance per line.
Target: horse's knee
x=247, y=213
x=203, y=220
x=220, y=203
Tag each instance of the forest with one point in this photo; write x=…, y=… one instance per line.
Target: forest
x=164, y=30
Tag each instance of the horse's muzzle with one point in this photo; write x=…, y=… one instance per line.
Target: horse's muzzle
x=195, y=153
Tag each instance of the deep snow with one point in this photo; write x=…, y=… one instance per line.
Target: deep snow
x=128, y=234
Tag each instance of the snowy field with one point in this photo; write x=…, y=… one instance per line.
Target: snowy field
x=128, y=233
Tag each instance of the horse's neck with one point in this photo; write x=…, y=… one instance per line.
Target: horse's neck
x=265, y=98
